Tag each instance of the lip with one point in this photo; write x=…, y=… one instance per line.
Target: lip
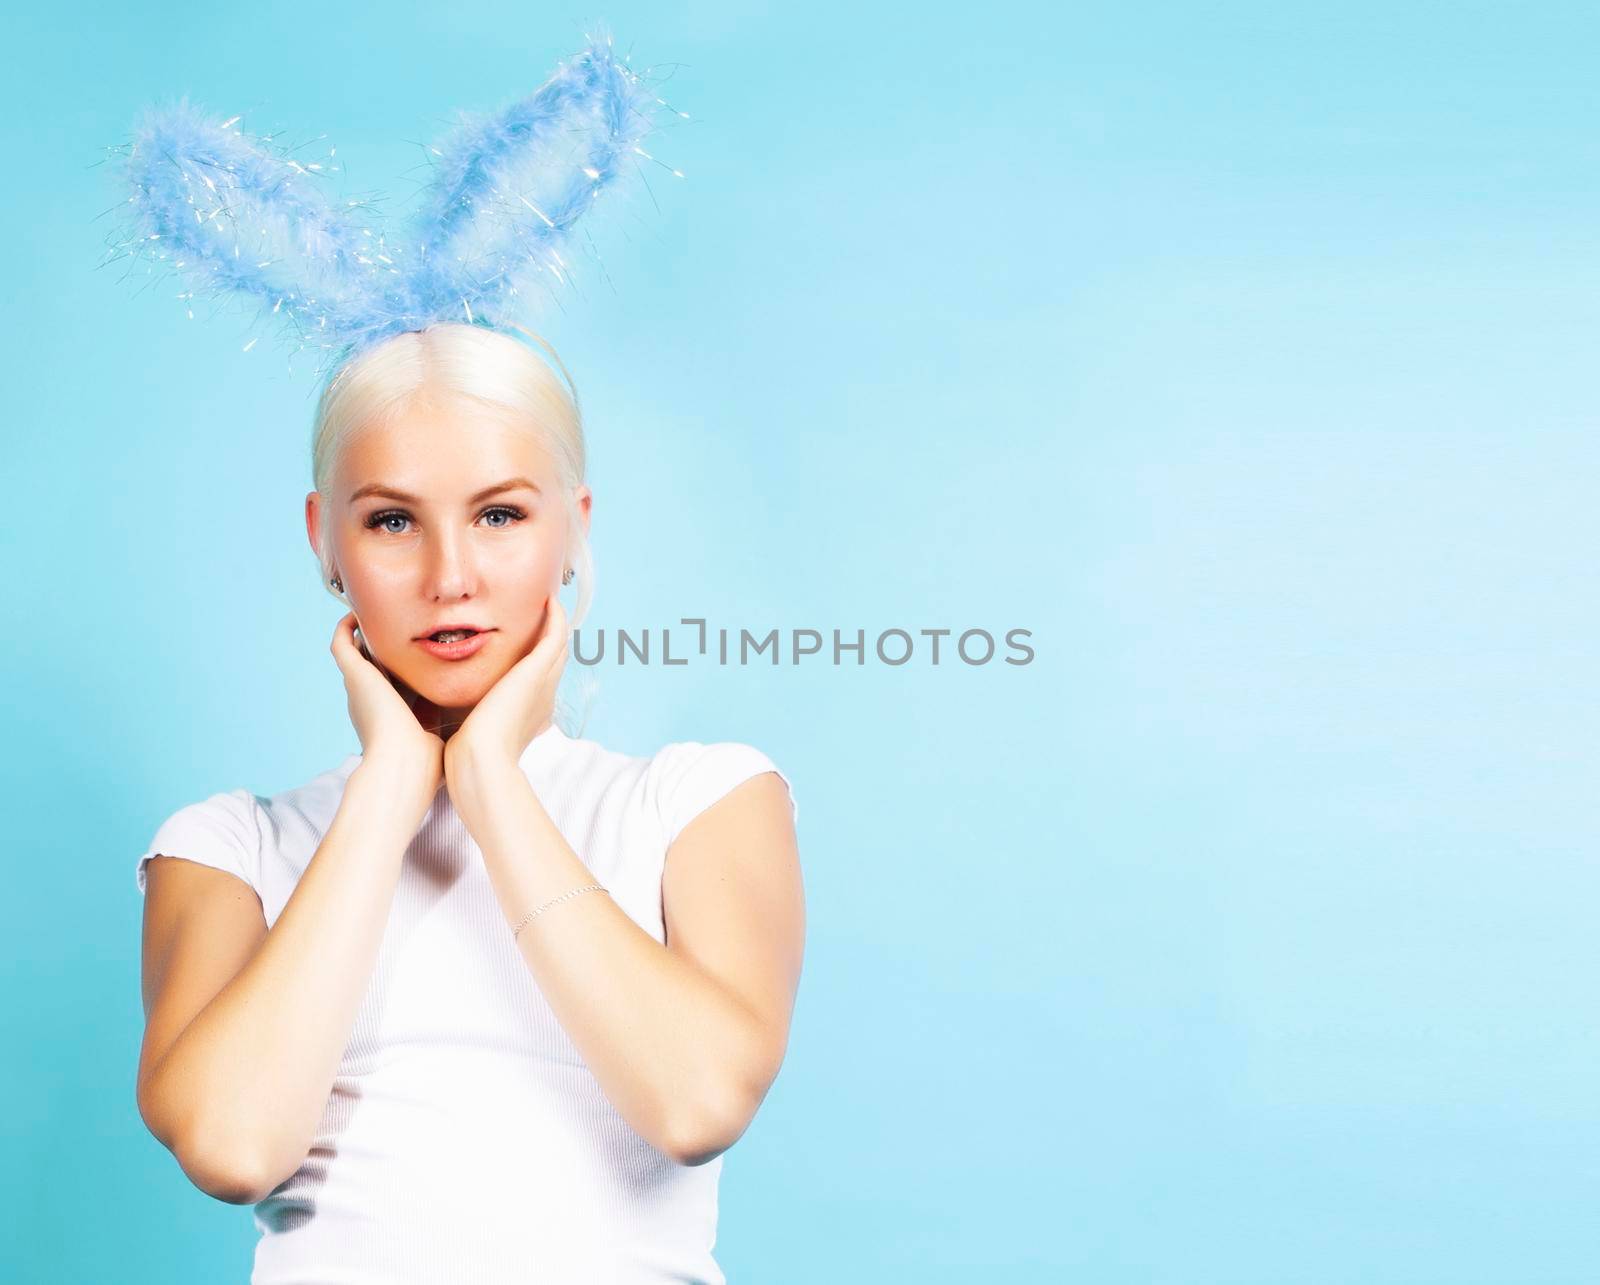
x=456, y=650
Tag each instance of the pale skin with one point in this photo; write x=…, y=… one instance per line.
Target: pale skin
x=685, y=1038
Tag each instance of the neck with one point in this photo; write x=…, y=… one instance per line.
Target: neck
x=444, y=721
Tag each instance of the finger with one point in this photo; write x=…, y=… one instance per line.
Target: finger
x=349, y=647
x=555, y=623
x=551, y=641
x=368, y=655
x=561, y=640
x=343, y=638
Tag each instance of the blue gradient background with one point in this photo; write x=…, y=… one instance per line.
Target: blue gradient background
x=1242, y=352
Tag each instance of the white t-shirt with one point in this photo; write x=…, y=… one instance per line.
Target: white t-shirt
x=464, y=1138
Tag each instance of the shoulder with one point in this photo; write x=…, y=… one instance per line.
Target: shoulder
x=232, y=829
x=222, y=830
x=315, y=799
x=684, y=778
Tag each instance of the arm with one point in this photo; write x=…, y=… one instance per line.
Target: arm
x=684, y=1039
x=234, y=1083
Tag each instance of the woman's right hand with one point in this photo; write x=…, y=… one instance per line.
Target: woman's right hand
x=384, y=720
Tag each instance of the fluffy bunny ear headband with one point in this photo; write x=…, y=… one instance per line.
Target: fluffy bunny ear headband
x=240, y=217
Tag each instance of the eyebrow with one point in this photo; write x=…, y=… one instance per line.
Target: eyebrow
x=377, y=488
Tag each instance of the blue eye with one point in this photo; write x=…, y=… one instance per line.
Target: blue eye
x=513, y=514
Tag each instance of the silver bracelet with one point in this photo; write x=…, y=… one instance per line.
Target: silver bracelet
x=534, y=914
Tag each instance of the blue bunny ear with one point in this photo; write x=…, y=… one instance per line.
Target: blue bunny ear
x=507, y=189
x=240, y=217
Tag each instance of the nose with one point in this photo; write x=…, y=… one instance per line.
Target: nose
x=451, y=570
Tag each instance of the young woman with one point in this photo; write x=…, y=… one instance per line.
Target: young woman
x=487, y=1001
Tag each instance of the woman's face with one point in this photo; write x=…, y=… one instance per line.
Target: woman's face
x=425, y=535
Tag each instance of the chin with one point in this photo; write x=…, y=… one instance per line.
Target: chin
x=453, y=691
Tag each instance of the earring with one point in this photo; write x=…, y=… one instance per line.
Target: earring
x=566, y=576
x=338, y=584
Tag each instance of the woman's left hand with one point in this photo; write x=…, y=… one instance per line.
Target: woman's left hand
x=520, y=703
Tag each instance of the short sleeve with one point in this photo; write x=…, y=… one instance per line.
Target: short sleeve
x=693, y=776
x=222, y=831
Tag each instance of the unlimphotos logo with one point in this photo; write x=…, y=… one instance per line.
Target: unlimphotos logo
x=889, y=647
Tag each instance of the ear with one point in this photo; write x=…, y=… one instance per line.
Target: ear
x=313, y=522
x=507, y=189
x=584, y=500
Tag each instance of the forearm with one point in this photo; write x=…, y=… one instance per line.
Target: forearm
x=673, y=1051
x=247, y=1081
